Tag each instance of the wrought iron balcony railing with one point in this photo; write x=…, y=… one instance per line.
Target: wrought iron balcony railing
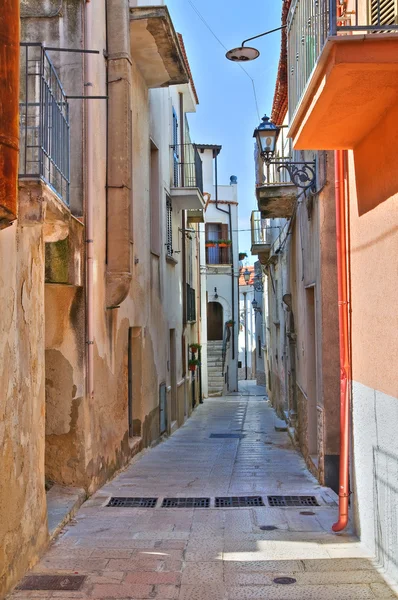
x=44, y=122
x=312, y=22
x=274, y=174
x=218, y=255
x=187, y=167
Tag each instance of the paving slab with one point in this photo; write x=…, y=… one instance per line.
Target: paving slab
x=214, y=553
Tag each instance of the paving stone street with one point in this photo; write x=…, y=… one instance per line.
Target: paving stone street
x=214, y=553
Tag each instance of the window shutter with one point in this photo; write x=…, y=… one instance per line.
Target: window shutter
x=224, y=251
x=383, y=12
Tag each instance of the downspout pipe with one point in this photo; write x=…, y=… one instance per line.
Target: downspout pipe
x=89, y=203
x=119, y=176
x=342, y=290
x=9, y=111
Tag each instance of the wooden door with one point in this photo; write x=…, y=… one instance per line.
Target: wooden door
x=214, y=321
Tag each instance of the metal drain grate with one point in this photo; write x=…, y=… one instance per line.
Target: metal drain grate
x=69, y=583
x=186, y=503
x=228, y=436
x=117, y=502
x=292, y=501
x=238, y=501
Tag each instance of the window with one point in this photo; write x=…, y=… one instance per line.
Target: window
x=218, y=255
x=155, y=200
x=169, y=227
x=190, y=289
x=175, y=149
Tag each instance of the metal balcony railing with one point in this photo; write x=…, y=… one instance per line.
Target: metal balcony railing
x=217, y=255
x=311, y=22
x=187, y=167
x=44, y=122
x=261, y=234
x=274, y=174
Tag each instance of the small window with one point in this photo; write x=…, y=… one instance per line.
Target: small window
x=169, y=227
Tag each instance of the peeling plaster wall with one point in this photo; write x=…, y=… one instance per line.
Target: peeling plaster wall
x=48, y=426
x=23, y=519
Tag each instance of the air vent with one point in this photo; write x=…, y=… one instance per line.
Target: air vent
x=64, y=583
x=238, y=501
x=186, y=503
x=116, y=502
x=292, y=501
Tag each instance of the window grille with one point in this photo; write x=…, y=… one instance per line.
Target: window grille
x=169, y=227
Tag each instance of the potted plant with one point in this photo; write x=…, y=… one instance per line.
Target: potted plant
x=192, y=364
x=194, y=348
x=210, y=243
x=224, y=243
x=229, y=323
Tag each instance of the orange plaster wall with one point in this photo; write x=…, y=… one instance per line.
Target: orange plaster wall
x=374, y=262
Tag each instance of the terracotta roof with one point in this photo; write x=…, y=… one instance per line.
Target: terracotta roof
x=184, y=53
x=279, y=105
x=242, y=278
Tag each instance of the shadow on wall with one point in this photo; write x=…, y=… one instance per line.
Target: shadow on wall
x=375, y=172
x=385, y=490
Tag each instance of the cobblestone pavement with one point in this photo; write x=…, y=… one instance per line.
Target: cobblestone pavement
x=213, y=553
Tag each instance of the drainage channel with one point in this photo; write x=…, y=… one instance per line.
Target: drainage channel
x=219, y=502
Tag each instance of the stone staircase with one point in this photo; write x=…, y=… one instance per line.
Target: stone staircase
x=214, y=368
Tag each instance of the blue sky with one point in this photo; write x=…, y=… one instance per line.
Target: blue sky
x=227, y=112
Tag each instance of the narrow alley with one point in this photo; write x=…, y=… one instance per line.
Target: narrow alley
x=231, y=447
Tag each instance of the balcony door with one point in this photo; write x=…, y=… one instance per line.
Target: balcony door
x=214, y=233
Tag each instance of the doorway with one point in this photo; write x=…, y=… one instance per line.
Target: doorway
x=311, y=373
x=215, y=321
x=173, y=376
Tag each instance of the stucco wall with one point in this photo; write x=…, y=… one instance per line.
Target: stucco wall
x=302, y=331
x=373, y=218
x=23, y=519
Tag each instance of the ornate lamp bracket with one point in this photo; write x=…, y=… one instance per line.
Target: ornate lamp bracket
x=302, y=174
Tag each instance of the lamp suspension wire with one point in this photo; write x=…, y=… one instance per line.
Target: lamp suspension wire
x=195, y=9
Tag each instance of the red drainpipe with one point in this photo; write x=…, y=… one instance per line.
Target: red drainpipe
x=342, y=288
x=9, y=111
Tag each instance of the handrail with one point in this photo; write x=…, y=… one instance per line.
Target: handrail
x=226, y=339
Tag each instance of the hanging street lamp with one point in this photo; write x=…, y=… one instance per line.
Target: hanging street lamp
x=302, y=174
x=244, y=53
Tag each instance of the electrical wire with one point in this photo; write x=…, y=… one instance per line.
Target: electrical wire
x=201, y=17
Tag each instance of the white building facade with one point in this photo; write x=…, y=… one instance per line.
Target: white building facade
x=219, y=273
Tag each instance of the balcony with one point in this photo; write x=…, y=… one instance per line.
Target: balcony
x=218, y=254
x=261, y=239
x=343, y=70
x=275, y=192
x=44, y=161
x=187, y=178
x=155, y=47
x=195, y=216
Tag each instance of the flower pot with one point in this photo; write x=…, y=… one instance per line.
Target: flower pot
x=223, y=245
x=210, y=245
x=192, y=368
x=194, y=350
